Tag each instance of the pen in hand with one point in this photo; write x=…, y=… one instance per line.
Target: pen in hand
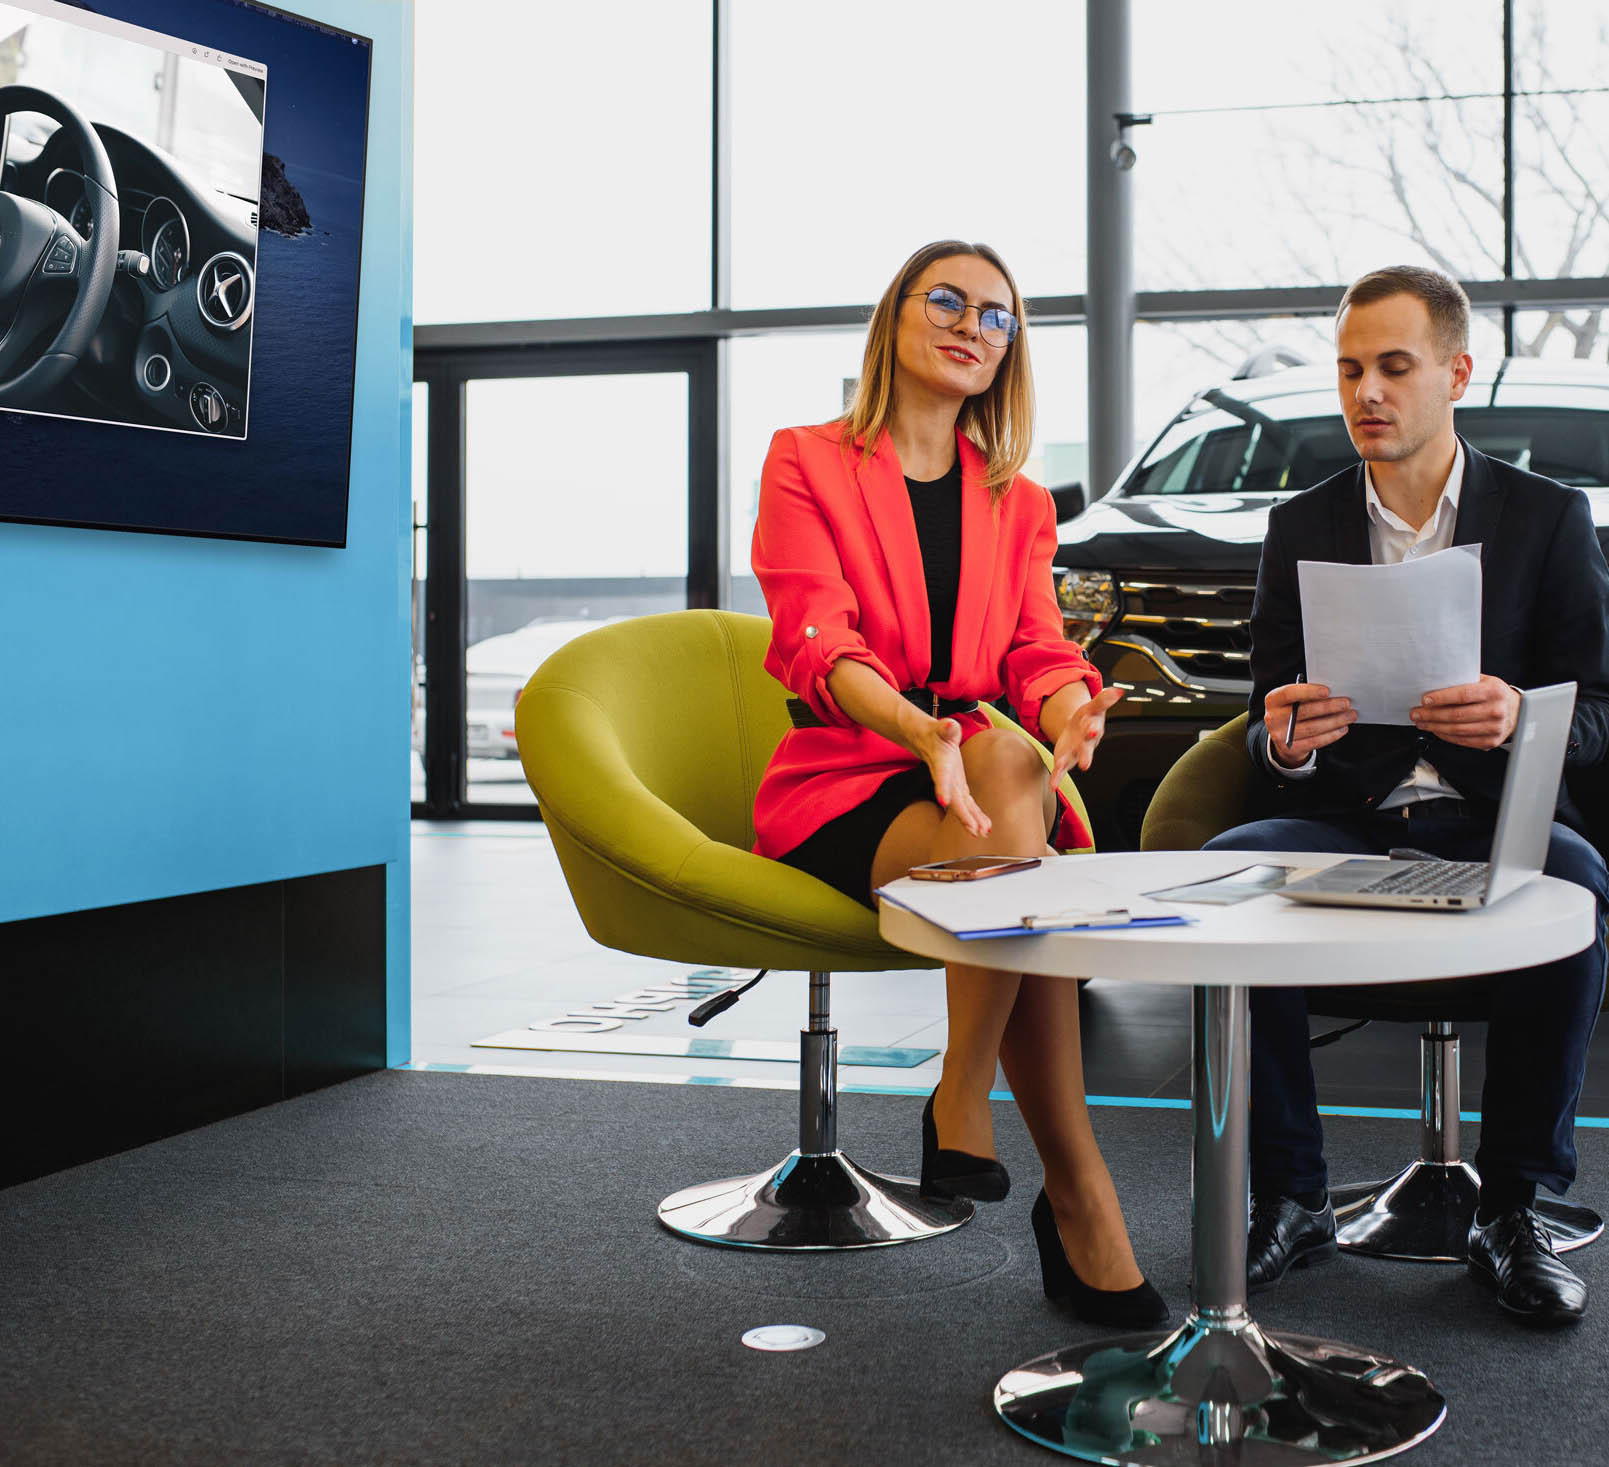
x=1290, y=728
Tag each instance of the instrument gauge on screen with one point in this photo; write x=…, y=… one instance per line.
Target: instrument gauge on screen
x=170, y=254
x=165, y=237
x=82, y=218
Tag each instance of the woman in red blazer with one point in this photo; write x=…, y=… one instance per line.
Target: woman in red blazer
x=906, y=567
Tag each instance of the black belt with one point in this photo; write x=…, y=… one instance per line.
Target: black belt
x=1443, y=807
x=926, y=699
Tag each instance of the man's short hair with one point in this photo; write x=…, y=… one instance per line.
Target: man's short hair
x=1444, y=298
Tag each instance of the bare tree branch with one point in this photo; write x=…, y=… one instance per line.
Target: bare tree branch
x=1432, y=170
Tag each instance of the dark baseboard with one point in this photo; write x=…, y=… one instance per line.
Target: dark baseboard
x=127, y=1024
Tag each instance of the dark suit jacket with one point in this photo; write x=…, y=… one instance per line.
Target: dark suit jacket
x=1544, y=619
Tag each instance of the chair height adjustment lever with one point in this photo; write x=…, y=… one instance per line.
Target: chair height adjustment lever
x=722, y=1001
x=1318, y=1041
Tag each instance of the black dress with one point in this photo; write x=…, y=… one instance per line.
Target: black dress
x=841, y=851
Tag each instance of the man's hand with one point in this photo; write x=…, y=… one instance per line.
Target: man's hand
x=1320, y=720
x=1081, y=733
x=1475, y=716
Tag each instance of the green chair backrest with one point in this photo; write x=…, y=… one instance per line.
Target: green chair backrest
x=1207, y=792
x=687, y=698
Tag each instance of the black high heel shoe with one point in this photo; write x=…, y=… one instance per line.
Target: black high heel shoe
x=958, y=1173
x=1123, y=1308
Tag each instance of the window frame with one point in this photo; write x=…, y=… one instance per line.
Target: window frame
x=447, y=372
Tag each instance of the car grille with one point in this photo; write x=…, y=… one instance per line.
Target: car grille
x=1198, y=631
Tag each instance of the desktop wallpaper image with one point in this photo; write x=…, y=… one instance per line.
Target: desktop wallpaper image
x=287, y=480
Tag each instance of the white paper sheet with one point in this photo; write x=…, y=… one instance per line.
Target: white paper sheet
x=1385, y=635
x=997, y=904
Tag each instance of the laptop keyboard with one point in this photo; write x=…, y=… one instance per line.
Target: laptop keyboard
x=1432, y=878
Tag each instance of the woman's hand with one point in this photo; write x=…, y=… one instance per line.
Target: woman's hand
x=1084, y=729
x=941, y=752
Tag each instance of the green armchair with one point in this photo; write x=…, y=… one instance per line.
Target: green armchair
x=644, y=741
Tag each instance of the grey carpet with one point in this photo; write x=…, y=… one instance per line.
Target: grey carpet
x=437, y=1268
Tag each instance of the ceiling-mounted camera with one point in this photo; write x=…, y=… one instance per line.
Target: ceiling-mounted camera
x=1122, y=151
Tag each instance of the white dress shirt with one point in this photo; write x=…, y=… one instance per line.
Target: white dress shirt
x=1393, y=540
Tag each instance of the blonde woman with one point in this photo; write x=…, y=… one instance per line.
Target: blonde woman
x=906, y=567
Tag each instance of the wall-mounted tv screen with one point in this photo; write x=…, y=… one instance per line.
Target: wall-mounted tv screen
x=181, y=213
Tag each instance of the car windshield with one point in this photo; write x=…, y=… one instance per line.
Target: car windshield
x=1223, y=446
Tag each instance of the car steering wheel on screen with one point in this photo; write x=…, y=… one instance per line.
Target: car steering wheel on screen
x=39, y=249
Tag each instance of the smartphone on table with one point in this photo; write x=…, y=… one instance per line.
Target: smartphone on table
x=972, y=868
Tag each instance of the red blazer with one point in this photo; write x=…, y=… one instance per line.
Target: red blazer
x=836, y=553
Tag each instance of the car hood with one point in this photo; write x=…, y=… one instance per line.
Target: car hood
x=518, y=654
x=1220, y=533
x=1204, y=532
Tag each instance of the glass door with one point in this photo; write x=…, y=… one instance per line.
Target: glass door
x=566, y=490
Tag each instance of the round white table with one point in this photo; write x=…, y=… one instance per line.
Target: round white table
x=1218, y=1388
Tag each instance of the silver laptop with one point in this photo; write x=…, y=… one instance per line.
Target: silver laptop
x=1519, y=846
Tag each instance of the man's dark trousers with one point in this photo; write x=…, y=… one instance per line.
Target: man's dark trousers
x=1536, y=1039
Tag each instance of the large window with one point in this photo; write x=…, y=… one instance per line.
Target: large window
x=776, y=382
x=561, y=159
x=703, y=198
x=860, y=132
x=565, y=529
x=1318, y=144
x=1561, y=166
x=565, y=492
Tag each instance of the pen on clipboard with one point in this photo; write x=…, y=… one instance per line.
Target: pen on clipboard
x=1109, y=917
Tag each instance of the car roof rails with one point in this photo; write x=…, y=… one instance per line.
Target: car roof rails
x=1268, y=359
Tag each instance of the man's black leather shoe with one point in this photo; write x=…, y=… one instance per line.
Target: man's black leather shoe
x=1285, y=1235
x=1513, y=1256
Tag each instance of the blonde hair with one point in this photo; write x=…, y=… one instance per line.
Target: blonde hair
x=1000, y=421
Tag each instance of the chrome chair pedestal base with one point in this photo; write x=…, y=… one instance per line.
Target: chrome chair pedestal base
x=818, y=1197
x=820, y=1201
x=1422, y=1215
x=1219, y=1393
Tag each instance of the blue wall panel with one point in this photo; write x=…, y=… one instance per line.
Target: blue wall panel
x=180, y=715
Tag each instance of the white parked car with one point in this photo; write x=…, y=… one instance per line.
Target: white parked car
x=495, y=672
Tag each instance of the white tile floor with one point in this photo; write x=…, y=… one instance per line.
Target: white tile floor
x=498, y=946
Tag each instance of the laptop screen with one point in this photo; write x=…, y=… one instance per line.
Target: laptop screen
x=1531, y=787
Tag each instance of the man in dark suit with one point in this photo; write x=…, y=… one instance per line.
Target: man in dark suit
x=1402, y=337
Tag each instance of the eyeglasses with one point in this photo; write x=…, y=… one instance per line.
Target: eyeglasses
x=945, y=307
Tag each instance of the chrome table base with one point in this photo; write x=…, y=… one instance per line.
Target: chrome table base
x=1423, y=1215
x=1218, y=1390
x=1211, y=1395
x=811, y=1202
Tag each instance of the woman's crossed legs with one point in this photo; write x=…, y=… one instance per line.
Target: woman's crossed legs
x=1028, y=1022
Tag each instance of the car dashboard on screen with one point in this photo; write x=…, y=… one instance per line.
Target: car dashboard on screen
x=173, y=347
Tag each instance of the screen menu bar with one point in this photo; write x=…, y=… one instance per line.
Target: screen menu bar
x=53, y=10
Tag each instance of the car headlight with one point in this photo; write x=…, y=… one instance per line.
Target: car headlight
x=1089, y=602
